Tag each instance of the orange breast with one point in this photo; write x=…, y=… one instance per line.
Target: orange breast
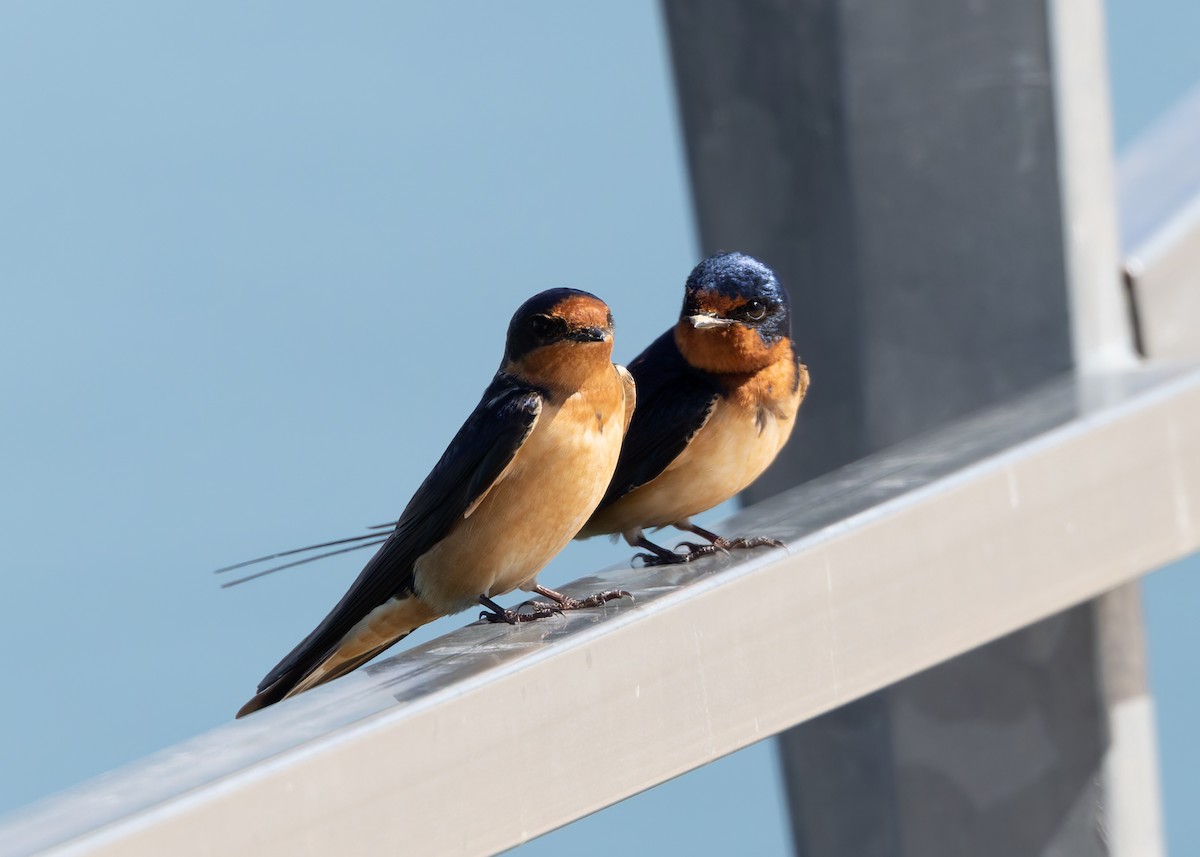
x=556, y=479
x=747, y=429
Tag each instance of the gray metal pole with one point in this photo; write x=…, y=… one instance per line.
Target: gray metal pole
x=932, y=179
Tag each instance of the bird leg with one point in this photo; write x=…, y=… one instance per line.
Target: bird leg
x=543, y=609
x=566, y=602
x=658, y=555
x=720, y=544
x=495, y=613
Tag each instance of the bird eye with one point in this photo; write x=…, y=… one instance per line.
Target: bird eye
x=545, y=327
x=755, y=310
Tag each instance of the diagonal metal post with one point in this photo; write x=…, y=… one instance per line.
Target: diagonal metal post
x=933, y=180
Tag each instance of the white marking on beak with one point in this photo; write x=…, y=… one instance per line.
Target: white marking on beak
x=704, y=320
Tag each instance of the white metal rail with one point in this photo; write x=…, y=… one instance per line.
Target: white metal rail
x=489, y=736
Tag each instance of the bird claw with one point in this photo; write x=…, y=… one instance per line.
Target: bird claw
x=541, y=610
x=741, y=542
x=538, y=610
x=650, y=560
x=597, y=599
x=508, y=616
x=692, y=551
x=695, y=551
x=531, y=611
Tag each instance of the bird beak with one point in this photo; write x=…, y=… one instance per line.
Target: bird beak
x=707, y=319
x=588, y=334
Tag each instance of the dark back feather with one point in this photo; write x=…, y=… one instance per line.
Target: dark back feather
x=476, y=456
x=674, y=401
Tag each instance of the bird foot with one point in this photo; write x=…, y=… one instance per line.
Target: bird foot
x=531, y=611
x=566, y=602
x=650, y=560
x=675, y=557
x=596, y=600
x=721, y=545
x=539, y=610
x=694, y=551
x=659, y=555
x=496, y=614
x=743, y=543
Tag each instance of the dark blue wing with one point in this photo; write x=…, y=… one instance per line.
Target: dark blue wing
x=673, y=403
x=475, y=458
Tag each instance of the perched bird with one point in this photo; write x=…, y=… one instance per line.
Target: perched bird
x=516, y=483
x=717, y=400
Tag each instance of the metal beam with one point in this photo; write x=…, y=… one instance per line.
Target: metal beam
x=933, y=180
x=489, y=736
x=1160, y=209
x=896, y=164
x=1101, y=329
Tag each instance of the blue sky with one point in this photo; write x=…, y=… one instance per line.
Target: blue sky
x=237, y=237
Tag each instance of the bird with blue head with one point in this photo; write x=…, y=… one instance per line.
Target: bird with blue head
x=717, y=400
x=555, y=448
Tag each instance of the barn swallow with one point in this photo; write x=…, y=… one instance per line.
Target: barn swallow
x=516, y=483
x=717, y=400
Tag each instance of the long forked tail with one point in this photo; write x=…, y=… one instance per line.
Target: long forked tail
x=286, y=686
x=383, y=627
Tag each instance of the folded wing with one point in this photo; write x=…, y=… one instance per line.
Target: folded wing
x=475, y=458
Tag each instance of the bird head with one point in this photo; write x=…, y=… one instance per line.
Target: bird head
x=735, y=315
x=558, y=338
